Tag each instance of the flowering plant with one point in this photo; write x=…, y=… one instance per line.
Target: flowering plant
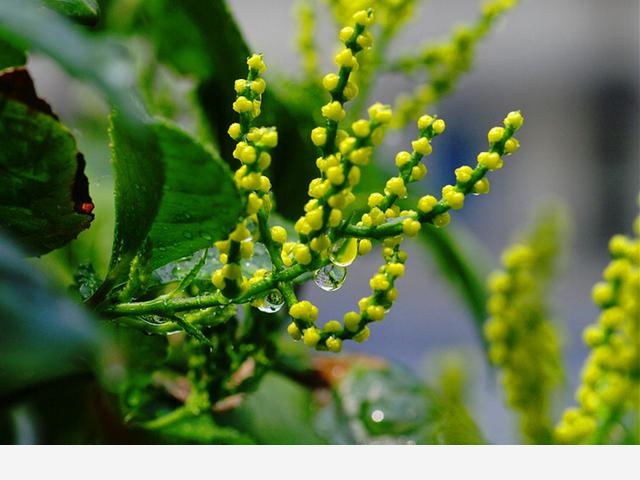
x=184, y=327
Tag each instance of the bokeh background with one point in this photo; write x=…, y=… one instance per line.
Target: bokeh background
x=571, y=66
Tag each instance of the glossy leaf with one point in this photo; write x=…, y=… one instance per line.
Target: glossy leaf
x=44, y=200
x=85, y=12
x=11, y=56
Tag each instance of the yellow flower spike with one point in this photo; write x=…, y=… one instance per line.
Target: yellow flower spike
x=361, y=128
x=351, y=321
x=495, y=134
x=235, y=131
x=255, y=62
x=243, y=105
x=422, y=146
x=302, y=254
x=278, y=234
x=330, y=81
x=294, y=331
x=311, y=337
x=334, y=344
x=410, y=227
x=362, y=335
x=426, y=203
x=319, y=136
x=364, y=246
x=442, y=220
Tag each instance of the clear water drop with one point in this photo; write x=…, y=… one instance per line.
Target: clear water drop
x=272, y=302
x=344, y=252
x=330, y=277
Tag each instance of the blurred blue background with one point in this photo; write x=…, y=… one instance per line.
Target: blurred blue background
x=571, y=66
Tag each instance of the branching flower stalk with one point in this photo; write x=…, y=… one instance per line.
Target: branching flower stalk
x=523, y=342
x=609, y=395
x=328, y=240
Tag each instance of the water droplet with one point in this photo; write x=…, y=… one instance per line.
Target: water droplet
x=272, y=302
x=330, y=277
x=344, y=252
x=377, y=416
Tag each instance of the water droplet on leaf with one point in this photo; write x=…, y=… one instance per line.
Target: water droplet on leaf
x=344, y=252
x=330, y=277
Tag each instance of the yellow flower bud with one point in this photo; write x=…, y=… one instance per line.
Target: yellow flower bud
x=424, y=121
x=364, y=246
x=410, y=227
x=311, y=337
x=442, y=220
x=242, y=105
x=351, y=321
x=278, y=234
x=495, y=134
x=255, y=62
x=514, y=120
x=334, y=344
x=330, y=81
x=333, y=111
x=234, y=131
x=319, y=136
x=361, y=128
x=294, y=331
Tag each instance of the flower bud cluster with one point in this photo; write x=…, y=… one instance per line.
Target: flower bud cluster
x=522, y=341
x=252, y=150
x=611, y=374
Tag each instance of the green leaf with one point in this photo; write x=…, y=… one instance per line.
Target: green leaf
x=85, y=12
x=44, y=334
x=200, y=204
x=44, y=200
x=170, y=188
x=280, y=412
x=202, y=429
x=459, y=271
x=11, y=56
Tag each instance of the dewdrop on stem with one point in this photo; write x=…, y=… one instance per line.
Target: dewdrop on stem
x=272, y=302
x=330, y=277
x=344, y=252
